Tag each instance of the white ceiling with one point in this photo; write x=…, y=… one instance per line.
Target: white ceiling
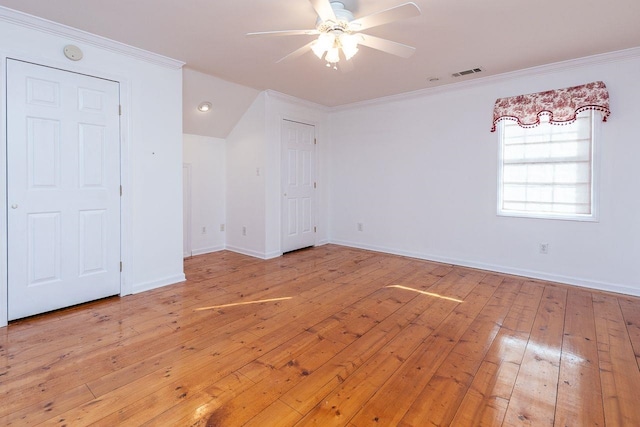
x=450, y=36
x=229, y=102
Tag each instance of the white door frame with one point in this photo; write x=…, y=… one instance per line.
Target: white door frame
x=283, y=179
x=126, y=284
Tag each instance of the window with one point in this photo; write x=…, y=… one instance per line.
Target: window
x=547, y=171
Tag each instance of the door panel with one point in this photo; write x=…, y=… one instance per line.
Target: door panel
x=43, y=241
x=298, y=208
x=43, y=153
x=93, y=242
x=63, y=188
x=92, y=156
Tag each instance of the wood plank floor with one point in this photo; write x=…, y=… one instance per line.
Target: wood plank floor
x=329, y=336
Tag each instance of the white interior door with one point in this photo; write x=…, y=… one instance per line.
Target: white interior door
x=298, y=184
x=63, y=188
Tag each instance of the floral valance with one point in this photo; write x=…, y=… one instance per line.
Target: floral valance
x=561, y=105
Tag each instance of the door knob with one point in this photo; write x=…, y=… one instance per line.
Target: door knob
x=14, y=206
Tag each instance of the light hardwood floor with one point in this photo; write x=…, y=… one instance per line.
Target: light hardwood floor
x=329, y=336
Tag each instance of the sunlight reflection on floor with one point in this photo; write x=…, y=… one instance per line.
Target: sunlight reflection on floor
x=424, y=293
x=213, y=307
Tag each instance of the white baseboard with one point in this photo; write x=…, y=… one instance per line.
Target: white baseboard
x=569, y=280
x=271, y=255
x=248, y=252
x=208, y=250
x=262, y=255
x=154, y=284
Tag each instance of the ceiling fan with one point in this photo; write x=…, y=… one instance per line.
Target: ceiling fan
x=339, y=33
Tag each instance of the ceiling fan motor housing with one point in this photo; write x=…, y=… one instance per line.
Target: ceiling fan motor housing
x=343, y=17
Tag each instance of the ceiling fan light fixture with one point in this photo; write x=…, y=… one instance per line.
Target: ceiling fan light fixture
x=326, y=41
x=318, y=50
x=333, y=55
x=349, y=52
x=349, y=44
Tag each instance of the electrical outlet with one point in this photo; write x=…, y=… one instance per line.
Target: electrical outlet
x=244, y=231
x=543, y=248
x=221, y=227
x=204, y=230
x=360, y=226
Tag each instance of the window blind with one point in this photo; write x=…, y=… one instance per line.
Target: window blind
x=548, y=169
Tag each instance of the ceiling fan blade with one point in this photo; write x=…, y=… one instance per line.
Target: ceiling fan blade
x=407, y=10
x=385, y=45
x=284, y=33
x=298, y=52
x=324, y=10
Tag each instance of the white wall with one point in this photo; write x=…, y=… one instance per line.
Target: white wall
x=254, y=188
x=151, y=95
x=207, y=158
x=246, y=147
x=420, y=173
x=280, y=107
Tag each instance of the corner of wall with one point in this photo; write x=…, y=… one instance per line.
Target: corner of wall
x=245, y=181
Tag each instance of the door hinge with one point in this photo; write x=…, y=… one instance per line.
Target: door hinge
x=120, y=266
x=315, y=185
x=315, y=141
x=315, y=229
x=121, y=191
x=119, y=110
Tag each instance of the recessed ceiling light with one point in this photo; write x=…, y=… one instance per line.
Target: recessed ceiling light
x=204, y=106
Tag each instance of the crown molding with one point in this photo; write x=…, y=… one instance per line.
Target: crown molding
x=603, y=58
x=43, y=25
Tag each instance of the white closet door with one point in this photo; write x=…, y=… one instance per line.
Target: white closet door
x=63, y=188
x=298, y=172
